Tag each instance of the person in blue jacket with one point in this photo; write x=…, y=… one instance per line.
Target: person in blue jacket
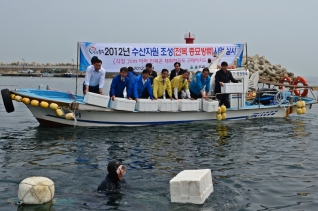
x=119, y=83
x=131, y=75
x=142, y=86
x=197, y=84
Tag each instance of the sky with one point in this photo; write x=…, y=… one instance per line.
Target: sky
x=284, y=31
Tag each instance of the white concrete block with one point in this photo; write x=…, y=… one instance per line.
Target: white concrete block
x=123, y=104
x=210, y=106
x=168, y=105
x=96, y=99
x=232, y=88
x=147, y=105
x=191, y=186
x=188, y=105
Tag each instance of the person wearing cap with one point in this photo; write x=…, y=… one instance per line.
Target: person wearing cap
x=200, y=85
x=114, y=179
x=162, y=85
x=94, y=77
x=119, y=83
x=180, y=83
x=223, y=76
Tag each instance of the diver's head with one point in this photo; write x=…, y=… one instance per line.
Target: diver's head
x=116, y=170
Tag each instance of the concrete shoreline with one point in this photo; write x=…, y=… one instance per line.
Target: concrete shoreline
x=60, y=75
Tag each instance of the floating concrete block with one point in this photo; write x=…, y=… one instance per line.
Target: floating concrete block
x=96, y=99
x=123, y=104
x=188, y=105
x=147, y=105
x=191, y=186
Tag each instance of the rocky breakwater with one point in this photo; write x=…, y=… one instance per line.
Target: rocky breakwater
x=265, y=69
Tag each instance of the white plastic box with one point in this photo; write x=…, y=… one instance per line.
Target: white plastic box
x=123, y=104
x=188, y=105
x=96, y=99
x=191, y=186
x=147, y=105
x=168, y=105
x=210, y=106
x=232, y=88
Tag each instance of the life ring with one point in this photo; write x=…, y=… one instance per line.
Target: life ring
x=304, y=82
x=7, y=100
x=284, y=79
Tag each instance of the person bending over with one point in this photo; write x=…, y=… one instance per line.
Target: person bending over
x=119, y=83
x=200, y=81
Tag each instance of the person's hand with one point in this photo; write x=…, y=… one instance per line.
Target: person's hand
x=101, y=93
x=221, y=83
x=113, y=97
x=155, y=98
x=170, y=98
x=136, y=100
x=191, y=98
x=130, y=98
x=239, y=82
x=176, y=98
x=85, y=91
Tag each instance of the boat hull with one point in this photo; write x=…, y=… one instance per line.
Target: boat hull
x=84, y=118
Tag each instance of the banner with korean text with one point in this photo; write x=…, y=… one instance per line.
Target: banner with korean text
x=137, y=55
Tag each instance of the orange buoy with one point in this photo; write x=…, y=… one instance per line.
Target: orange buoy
x=304, y=82
x=284, y=79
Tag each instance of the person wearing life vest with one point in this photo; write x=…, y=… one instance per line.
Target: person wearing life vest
x=119, y=83
x=180, y=83
x=200, y=81
x=114, y=180
x=223, y=76
x=162, y=85
x=142, y=86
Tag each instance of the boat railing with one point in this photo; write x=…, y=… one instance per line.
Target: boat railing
x=258, y=95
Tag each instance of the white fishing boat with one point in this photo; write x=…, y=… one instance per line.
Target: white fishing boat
x=247, y=101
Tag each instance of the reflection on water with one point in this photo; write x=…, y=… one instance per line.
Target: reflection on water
x=260, y=164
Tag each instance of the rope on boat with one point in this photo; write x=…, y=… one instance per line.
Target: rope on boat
x=279, y=99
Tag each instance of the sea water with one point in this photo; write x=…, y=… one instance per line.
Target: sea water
x=259, y=164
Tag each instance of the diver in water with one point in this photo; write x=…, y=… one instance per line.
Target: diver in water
x=114, y=179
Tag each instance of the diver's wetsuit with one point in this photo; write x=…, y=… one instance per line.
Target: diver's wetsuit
x=112, y=182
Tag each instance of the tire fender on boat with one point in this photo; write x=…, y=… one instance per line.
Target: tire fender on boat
x=304, y=82
x=284, y=79
x=7, y=100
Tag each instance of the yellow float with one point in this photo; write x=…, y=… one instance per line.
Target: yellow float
x=12, y=96
x=219, y=110
x=35, y=103
x=303, y=104
x=44, y=104
x=303, y=110
x=299, y=111
x=54, y=106
x=219, y=117
x=59, y=112
x=18, y=98
x=69, y=116
x=26, y=100
x=299, y=104
x=223, y=116
x=223, y=109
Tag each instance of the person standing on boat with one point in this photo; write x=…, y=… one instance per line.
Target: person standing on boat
x=200, y=85
x=176, y=71
x=152, y=73
x=119, y=83
x=223, y=76
x=179, y=83
x=131, y=75
x=162, y=85
x=142, y=86
x=114, y=179
x=94, y=78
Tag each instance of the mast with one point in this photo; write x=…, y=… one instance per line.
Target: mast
x=77, y=67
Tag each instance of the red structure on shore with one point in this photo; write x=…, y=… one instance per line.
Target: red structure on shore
x=189, y=38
